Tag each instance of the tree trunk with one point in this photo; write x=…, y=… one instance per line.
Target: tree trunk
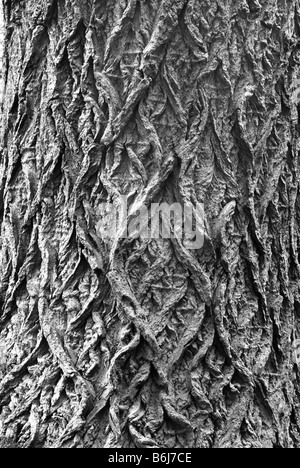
x=145, y=343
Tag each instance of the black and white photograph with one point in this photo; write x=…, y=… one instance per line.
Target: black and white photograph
x=150, y=226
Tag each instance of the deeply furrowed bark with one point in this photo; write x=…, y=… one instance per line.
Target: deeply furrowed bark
x=144, y=343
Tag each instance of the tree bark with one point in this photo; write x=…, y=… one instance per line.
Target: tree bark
x=135, y=343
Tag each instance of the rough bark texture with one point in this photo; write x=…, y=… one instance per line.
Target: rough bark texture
x=147, y=344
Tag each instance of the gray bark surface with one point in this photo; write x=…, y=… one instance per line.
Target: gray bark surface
x=135, y=343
